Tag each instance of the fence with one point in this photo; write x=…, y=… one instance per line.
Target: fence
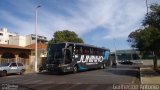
x=20, y=60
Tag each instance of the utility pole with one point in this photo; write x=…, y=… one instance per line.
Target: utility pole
x=147, y=6
x=115, y=50
x=36, y=23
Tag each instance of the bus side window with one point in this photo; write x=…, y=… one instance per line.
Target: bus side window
x=81, y=50
x=77, y=51
x=95, y=51
x=91, y=51
x=86, y=51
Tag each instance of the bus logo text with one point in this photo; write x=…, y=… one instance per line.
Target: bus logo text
x=90, y=59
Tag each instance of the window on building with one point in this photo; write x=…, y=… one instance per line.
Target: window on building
x=1, y=34
x=10, y=35
x=33, y=38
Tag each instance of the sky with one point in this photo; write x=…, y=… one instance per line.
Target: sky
x=103, y=23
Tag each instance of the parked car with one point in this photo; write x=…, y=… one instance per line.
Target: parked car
x=127, y=62
x=12, y=67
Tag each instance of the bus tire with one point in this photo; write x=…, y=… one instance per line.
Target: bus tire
x=75, y=69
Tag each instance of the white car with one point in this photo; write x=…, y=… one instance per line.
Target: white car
x=12, y=67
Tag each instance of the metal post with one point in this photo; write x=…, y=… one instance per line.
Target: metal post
x=0, y=59
x=115, y=51
x=132, y=54
x=36, y=70
x=147, y=6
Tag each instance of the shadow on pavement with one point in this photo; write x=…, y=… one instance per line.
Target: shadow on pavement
x=125, y=70
x=53, y=73
x=66, y=73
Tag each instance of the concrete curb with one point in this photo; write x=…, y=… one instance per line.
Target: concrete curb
x=149, y=76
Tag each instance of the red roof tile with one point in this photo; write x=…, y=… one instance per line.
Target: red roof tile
x=39, y=46
x=13, y=46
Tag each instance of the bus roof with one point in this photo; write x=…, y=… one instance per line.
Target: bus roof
x=83, y=44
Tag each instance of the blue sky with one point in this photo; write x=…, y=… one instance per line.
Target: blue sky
x=104, y=23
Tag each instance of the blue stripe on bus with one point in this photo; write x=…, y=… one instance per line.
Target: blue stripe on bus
x=82, y=68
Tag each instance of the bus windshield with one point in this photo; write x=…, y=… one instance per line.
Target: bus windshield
x=55, y=54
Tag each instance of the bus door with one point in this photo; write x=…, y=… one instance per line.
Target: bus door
x=68, y=54
x=106, y=57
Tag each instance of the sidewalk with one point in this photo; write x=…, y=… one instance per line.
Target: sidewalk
x=149, y=76
x=29, y=71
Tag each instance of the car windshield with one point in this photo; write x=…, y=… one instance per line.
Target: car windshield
x=4, y=64
x=55, y=54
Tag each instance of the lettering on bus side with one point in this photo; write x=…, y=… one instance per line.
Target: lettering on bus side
x=90, y=59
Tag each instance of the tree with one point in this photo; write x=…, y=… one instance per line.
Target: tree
x=65, y=36
x=148, y=38
x=153, y=18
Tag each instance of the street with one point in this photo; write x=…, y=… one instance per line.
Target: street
x=102, y=79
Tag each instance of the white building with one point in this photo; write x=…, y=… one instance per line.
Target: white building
x=17, y=40
x=26, y=40
x=4, y=36
x=30, y=39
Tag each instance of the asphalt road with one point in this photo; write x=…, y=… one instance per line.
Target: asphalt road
x=100, y=79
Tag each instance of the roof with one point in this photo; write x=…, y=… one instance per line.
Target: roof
x=39, y=46
x=13, y=46
x=83, y=44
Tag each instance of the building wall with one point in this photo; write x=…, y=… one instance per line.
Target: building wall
x=28, y=40
x=14, y=40
x=31, y=39
x=18, y=40
x=40, y=59
x=4, y=36
x=26, y=60
x=22, y=41
x=127, y=54
x=150, y=62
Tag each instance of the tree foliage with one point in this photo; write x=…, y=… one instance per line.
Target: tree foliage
x=153, y=18
x=148, y=38
x=145, y=39
x=65, y=36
